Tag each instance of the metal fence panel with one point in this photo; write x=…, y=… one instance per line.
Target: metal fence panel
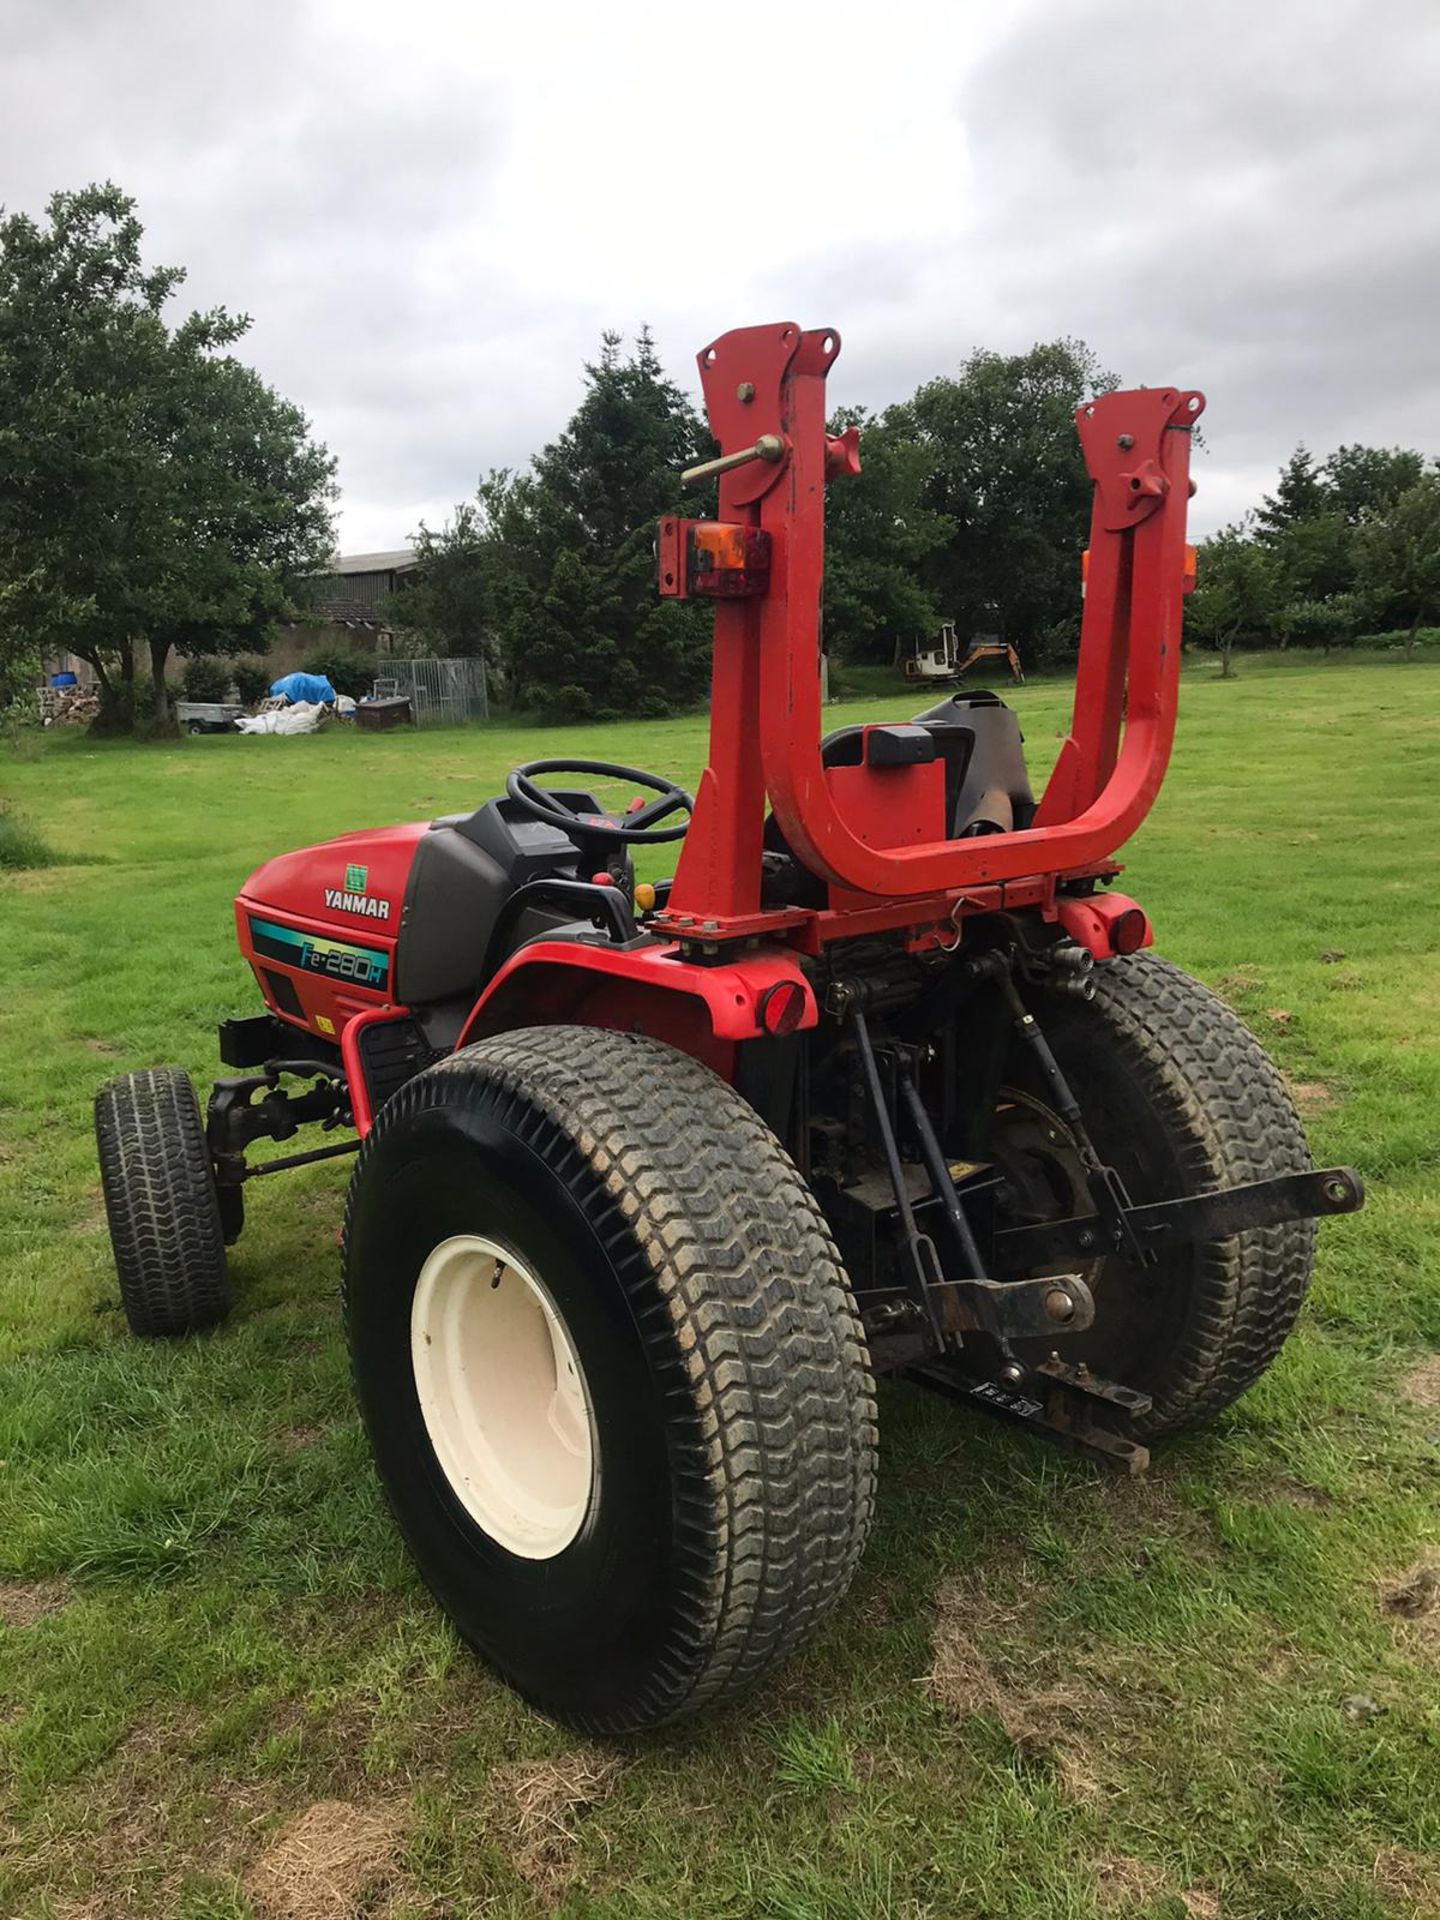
x=442, y=693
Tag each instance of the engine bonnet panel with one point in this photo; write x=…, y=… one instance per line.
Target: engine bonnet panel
x=320, y=926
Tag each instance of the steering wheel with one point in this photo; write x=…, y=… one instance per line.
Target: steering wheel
x=637, y=829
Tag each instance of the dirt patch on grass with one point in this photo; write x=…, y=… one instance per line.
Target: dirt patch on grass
x=1310, y=1096
x=1413, y=1601
x=1200, y=1904
x=1421, y=1386
x=1408, y=1881
x=1347, y=980
x=1239, y=982
x=535, y=1808
x=1139, y=1501
x=23, y=1602
x=329, y=1860
x=977, y=1666
x=1298, y=1493
x=1123, y=1884
x=92, y=1214
x=102, y=1049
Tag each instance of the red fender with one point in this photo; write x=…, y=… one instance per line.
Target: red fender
x=705, y=1011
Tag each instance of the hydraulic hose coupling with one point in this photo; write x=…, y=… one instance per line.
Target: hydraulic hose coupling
x=1072, y=968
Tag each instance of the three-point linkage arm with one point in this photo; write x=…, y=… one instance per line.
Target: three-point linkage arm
x=765, y=396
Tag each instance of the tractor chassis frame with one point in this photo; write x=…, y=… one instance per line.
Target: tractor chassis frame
x=861, y=989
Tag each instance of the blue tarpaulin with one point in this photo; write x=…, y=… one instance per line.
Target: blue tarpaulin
x=313, y=687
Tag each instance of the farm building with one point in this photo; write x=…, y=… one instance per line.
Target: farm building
x=346, y=610
x=355, y=592
x=346, y=607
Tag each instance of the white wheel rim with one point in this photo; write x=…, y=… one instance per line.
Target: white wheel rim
x=503, y=1396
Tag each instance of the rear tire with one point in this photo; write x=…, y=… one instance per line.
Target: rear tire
x=1180, y=1098
x=161, y=1203
x=573, y=1205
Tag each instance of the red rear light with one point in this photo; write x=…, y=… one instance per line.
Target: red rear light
x=1128, y=930
x=782, y=1008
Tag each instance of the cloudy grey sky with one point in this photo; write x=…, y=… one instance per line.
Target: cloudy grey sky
x=432, y=208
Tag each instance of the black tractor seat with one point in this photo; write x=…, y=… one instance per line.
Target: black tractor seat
x=987, y=787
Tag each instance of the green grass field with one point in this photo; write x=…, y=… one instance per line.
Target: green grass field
x=1051, y=1694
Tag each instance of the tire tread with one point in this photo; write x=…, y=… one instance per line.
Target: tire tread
x=1231, y=1121
x=161, y=1203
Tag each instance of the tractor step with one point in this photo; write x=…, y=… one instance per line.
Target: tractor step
x=390, y=1053
x=250, y=1040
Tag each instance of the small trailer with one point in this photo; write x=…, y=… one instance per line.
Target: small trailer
x=208, y=716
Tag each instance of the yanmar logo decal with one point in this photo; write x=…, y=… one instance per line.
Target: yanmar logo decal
x=352, y=897
x=362, y=903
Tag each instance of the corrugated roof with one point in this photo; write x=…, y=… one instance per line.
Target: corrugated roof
x=394, y=562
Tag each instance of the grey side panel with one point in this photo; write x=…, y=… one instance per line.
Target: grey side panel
x=455, y=891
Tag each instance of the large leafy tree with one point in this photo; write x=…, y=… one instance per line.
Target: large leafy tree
x=1301, y=494
x=1400, y=557
x=1348, y=541
x=1315, y=559
x=881, y=543
x=1238, y=596
x=1006, y=474
x=1363, y=483
x=155, y=494
x=555, y=568
x=450, y=601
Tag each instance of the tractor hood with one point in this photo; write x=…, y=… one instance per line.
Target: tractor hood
x=357, y=880
x=320, y=926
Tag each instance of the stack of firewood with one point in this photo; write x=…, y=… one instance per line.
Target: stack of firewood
x=69, y=706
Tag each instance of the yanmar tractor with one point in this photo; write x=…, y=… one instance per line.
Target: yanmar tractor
x=654, y=1179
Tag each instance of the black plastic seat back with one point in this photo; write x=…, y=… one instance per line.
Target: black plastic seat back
x=987, y=787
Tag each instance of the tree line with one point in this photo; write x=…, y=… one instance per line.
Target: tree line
x=1346, y=548
x=158, y=498
x=972, y=504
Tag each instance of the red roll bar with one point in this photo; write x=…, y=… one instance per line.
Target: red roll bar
x=765, y=396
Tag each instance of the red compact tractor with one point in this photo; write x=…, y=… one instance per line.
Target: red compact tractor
x=654, y=1179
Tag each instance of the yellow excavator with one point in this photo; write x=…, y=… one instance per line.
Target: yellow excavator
x=941, y=658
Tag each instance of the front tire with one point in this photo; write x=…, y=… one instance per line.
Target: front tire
x=161, y=1203
x=641, y=1469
